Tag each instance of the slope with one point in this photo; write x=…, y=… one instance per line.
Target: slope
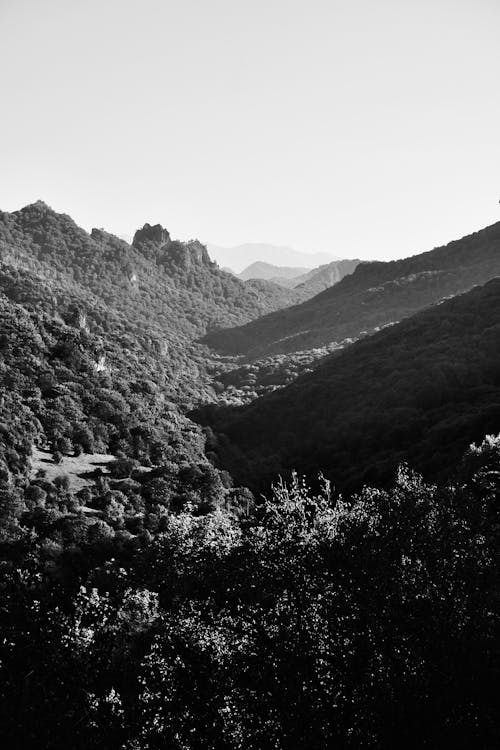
x=316, y=281
x=375, y=295
x=419, y=391
x=96, y=338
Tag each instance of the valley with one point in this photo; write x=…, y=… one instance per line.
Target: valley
x=198, y=470
x=249, y=375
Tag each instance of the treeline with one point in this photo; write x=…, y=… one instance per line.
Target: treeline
x=314, y=622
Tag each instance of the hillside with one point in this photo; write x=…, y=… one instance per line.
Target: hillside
x=97, y=366
x=419, y=391
x=171, y=286
x=96, y=338
x=375, y=295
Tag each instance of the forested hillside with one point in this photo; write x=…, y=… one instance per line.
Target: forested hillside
x=149, y=601
x=159, y=283
x=375, y=295
x=97, y=358
x=419, y=391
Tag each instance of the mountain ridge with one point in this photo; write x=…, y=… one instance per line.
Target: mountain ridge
x=259, y=269
x=376, y=294
x=240, y=256
x=38, y=237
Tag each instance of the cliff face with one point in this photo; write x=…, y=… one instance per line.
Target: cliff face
x=178, y=257
x=186, y=256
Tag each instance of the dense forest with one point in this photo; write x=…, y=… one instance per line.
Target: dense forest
x=159, y=283
x=314, y=622
x=161, y=587
x=374, y=295
x=420, y=391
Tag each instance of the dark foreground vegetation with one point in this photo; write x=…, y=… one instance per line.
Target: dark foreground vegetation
x=316, y=622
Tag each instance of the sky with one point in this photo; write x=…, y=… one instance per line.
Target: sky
x=357, y=127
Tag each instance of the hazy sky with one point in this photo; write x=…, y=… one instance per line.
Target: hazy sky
x=365, y=128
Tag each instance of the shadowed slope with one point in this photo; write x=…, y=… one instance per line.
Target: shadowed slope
x=420, y=391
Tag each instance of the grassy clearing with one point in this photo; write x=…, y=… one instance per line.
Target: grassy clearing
x=81, y=470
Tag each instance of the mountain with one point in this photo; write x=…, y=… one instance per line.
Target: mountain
x=97, y=336
x=261, y=270
x=306, y=282
x=419, y=391
x=375, y=295
x=170, y=286
x=315, y=281
x=87, y=319
x=241, y=256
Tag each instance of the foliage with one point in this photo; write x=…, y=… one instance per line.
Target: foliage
x=420, y=392
x=318, y=622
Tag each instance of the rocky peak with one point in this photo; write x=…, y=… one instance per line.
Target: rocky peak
x=186, y=255
x=155, y=235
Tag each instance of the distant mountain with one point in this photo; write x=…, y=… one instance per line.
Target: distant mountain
x=241, y=256
x=315, y=281
x=420, y=391
x=261, y=270
x=307, y=282
x=375, y=295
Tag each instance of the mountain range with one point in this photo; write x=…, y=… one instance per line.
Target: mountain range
x=306, y=282
x=375, y=295
x=262, y=270
x=239, y=257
